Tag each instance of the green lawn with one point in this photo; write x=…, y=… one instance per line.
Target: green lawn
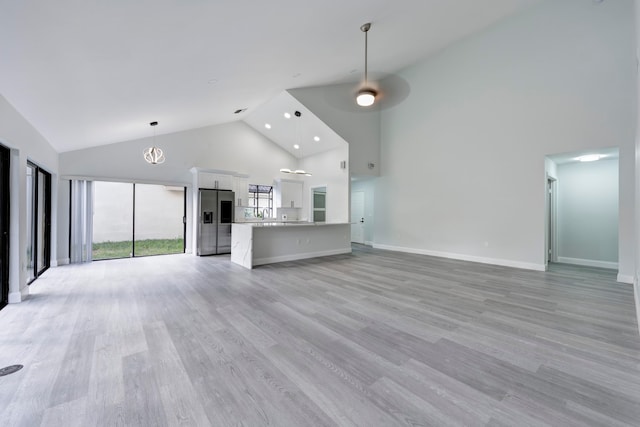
x=108, y=250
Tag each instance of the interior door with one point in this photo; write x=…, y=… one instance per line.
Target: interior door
x=357, y=217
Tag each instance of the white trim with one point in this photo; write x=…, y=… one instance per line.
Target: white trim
x=636, y=291
x=126, y=180
x=294, y=257
x=17, y=297
x=368, y=243
x=463, y=257
x=64, y=261
x=589, y=263
x=623, y=278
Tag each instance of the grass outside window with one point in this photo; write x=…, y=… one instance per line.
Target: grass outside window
x=124, y=249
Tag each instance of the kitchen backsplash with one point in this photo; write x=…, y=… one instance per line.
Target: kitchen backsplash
x=288, y=214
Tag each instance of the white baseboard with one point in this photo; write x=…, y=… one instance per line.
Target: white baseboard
x=64, y=261
x=368, y=243
x=294, y=257
x=623, y=278
x=16, y=297
x=589, y=262
x=636, y=291
x=462, y=257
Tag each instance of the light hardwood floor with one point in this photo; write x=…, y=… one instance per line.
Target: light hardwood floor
x=375, y=338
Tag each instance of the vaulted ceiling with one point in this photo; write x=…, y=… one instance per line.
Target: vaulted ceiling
x=88, y=73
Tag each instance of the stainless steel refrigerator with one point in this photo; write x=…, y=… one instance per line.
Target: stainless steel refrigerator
x=215, y=217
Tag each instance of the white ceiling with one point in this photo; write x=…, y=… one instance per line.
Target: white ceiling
x=88, y=73
x=294, y=130
x=572, y=157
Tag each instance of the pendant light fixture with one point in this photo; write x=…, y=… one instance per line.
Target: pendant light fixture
x=367, y=95
x=154, y=155
x=299, y=144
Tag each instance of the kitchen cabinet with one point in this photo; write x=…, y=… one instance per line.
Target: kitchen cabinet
x=241, y=190
x=215, y=181
x=289, y=194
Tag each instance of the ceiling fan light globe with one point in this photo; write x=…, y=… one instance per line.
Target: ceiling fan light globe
x=366, y=97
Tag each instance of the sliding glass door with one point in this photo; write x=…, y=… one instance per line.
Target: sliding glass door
x=137, y=220
x=38, y=221
x=4, y=225
x=112, y=220
x=159, y=219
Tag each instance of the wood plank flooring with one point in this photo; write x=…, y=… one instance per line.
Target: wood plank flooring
x=375, y=338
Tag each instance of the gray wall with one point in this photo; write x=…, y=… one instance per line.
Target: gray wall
x=472, y=136
x=587, y=195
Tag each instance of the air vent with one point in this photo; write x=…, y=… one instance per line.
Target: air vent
x=240, y=110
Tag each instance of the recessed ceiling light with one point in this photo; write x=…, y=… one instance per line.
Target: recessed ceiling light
x=287, y=115
x=589, y=157
x=267, y=125
x=296, y=146
x=316, y=138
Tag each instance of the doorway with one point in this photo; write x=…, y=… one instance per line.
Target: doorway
x=582, y=208
x=357, y=217
x=4, y=226
x=38, y=221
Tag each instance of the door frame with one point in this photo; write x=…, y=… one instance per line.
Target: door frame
x=551, y=191
x=35, y=225
x=5, y=211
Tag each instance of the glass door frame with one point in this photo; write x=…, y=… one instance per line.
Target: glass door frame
x=4, y=224
x=133, y=225
x=35, y=220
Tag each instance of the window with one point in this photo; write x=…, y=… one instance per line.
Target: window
x=261, y=200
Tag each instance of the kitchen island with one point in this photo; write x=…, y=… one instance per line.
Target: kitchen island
x=258, y=243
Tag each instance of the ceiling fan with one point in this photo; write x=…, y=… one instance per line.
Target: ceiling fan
x=366, y=95
x=385, y=91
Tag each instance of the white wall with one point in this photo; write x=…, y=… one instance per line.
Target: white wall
x=636, y=279
x=368, y=186
x=463, y=169
x=326, y=172
x=588, y=213
x=335, y=106
x=232, y=147
x=25, y=143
